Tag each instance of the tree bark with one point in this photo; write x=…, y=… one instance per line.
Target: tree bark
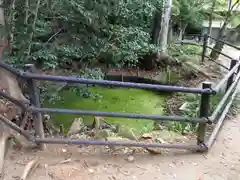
x=210, y=20
x=3, y=43
x=156, y=29
x=33, y=27
x=221, y=35
x=10, y=86
x=182, y=31
x=165, y=26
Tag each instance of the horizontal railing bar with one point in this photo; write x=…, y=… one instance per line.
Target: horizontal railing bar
x=70, y=79
x=117, y=143
x=217, y=63
x=223, y=81
x=200, y=35
x=122, y=115
x=10, y=68
x=220, y=121
x=188, y=42
x=16, y=128
x=13, y=100
x=220, y=52
x=225, y=42
x=224, y=99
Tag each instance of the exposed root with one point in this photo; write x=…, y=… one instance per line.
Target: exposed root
x=4, y=143
x=29, y=168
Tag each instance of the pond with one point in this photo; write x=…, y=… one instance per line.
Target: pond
x=110, y=100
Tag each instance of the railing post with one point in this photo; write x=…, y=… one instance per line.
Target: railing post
x=35, y=100
x=205, y=42
x=238, y=66
x=230, y=79
x=204, y=112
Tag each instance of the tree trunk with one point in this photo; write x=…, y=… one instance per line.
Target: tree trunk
x=33, y=27
x=156, y=28
x=3, y=43
x=165, y=26
x=182, y=31
x=219, y=45
x=210, y=20
x=170, y=34
x=10, y=86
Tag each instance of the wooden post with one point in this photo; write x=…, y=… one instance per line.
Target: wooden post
x=230, y=79
x=35, y=100
x=204, y=112
x=205, y=42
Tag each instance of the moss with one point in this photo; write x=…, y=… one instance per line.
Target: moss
x=113, y=100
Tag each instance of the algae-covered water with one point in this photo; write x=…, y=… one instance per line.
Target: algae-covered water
x=110, y=100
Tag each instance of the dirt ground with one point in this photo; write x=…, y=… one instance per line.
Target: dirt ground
x=70, y=163
x=222, y=162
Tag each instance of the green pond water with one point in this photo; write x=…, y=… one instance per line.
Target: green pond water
x=111, y=100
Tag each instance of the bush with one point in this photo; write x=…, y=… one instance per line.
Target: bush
x=116, y=32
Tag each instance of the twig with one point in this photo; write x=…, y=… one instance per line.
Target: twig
x=52, y=37
x=29, y=168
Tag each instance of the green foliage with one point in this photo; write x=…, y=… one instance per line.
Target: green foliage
x=184, y=50
x=117, y=32
x=187, y=12
x=190, y=108
x=92, y=74
x=88, y=31
x=49, y=92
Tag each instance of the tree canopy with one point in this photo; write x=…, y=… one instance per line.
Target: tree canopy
x=54, y=32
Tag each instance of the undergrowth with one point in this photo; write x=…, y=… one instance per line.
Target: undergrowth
x=189, y=107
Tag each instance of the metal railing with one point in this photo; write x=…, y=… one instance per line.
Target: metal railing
x=206, y=92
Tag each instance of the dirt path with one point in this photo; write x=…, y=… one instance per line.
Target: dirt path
x=221, y=163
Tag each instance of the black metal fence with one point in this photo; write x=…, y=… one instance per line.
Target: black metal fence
x=206, y=92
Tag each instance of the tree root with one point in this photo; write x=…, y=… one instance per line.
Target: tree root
x=4, y=143
x=29, y=168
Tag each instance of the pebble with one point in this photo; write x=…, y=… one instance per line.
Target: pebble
x=130, y=159
x=91, y=170
x=64, y=150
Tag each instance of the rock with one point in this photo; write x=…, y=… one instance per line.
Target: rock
x=79, y=136
x=160, y=140
x=76, y=127
x=154, y=150
x=127, y=133
x=184, y=106
x=64, y=150
x=104, y=133
x=116, y=128
x=91, y=170
x=158, y=126
x=147, y=136
x=117, y=139
x=130, y=159
x=98, y=121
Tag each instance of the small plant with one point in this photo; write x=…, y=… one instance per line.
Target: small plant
x=92, y=74
x=190, y=108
